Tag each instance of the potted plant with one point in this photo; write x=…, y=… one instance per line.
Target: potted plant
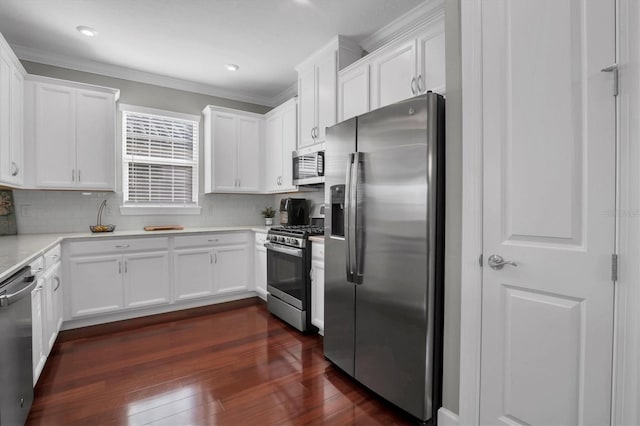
x=268, y=213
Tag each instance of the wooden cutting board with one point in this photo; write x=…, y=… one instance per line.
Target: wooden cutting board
x=164, y=228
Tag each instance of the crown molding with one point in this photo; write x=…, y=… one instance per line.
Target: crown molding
x=286, y=94
x=115, y=71
x=417, y=17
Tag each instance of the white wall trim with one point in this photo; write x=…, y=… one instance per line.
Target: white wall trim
x=626, y=371
x=471, y=273
x=447, y=418
x=116, y=71
x=161, y=112
x=416, y=17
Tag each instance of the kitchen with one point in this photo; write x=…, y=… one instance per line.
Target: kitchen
x=47, y=212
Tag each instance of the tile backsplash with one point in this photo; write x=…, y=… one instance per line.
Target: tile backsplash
x=72, y=211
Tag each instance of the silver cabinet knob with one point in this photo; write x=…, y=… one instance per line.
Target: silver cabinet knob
x=497, y=262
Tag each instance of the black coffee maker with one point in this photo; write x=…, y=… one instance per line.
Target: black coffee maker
x=294, y=211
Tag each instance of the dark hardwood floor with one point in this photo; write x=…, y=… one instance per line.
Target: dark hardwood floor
x=238, y=367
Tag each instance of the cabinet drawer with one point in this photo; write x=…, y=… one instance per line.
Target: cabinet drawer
x=212, y=239
x=317, y=251
x=52, y=256
x=118, y=245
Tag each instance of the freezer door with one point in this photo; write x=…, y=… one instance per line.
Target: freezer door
x=394, y=302
x=339, y=294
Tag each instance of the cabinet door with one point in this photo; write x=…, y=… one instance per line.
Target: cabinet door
x=224, y=150
x=353, y=92
x=230, y=269
x=146, y=279
x=307, y=102
x=55, y=139
x=327, y=70
x=16, y=138
x=289, y=139
x=248, y=156
x=50, y=314
x=273, y=154
x=317, y=294
x=431, y=64
x=95, y=284
x=95, y=142
x=57, y=299
x=392, y=75
x=37, y=318
x=260, y=270
x=192, y=273
x=5, y=118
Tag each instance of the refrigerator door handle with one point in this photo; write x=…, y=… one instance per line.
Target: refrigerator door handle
x=348, y=222
x=357, y=205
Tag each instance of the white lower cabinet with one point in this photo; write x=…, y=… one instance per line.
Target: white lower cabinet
x=104, y=283
x=146, y=279
x=230, y=269
x=37, y=319
x=193, y=273
x=317, y=285
x=46, y=308
x=210, y=265
x=260, y=265
x=96, y=284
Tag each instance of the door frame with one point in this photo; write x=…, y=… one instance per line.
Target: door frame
x=626, y=375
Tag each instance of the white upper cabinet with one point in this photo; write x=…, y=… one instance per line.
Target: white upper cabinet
x=393, y=74
x=70, y=138
x=408, y=66
x=317, y=88
x=11, y=118
x=232, y=150
x=353, y=91
x=281, y=135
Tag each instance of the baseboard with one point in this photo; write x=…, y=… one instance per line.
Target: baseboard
x=447, y=418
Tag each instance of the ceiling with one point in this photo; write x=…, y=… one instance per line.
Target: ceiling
x=190, y=41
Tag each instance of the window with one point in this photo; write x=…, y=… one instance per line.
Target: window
x=160, y=162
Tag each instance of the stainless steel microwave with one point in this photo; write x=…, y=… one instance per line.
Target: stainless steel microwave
x=308, y=165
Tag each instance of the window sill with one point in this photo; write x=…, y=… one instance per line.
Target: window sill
x=158, y=210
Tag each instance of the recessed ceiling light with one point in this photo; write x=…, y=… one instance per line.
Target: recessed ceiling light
x=88, y=31
x=232, y=67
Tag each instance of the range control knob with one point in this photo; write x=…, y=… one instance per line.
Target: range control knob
x=295, y=242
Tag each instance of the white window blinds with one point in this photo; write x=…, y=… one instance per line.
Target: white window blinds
x=160, y=160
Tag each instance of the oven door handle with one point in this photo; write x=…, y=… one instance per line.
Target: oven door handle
x=285, y=250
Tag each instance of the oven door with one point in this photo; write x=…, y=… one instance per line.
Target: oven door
x=286, y=274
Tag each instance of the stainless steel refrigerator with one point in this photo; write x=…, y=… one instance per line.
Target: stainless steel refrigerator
x=384, y=240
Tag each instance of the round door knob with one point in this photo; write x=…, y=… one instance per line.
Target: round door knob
x=497, y=262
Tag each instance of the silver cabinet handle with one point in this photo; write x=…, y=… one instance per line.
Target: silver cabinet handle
x=58, y=281
x=419, y=85
x=16, y=169
x=73, y=175
x=497, y=262
x=312, y=129
x=119, y=267
x=214, y=240
x=215, y=258
x=125, y=266
x=79, y=175
x=123, y=246
x=211, y=258
x=413, y=85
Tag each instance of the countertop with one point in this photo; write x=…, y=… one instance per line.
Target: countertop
x=17, y=251
x=317, y=238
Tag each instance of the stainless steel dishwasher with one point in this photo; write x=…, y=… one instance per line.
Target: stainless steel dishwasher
x=16, y=371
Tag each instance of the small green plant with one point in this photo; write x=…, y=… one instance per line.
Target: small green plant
x=268, y=212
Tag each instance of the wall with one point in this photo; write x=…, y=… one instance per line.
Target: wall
x=72, y=211
x=451, y=388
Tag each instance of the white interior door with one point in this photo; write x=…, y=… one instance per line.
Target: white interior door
x=549, y=197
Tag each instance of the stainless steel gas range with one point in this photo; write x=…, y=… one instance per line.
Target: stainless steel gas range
x=288, y=267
